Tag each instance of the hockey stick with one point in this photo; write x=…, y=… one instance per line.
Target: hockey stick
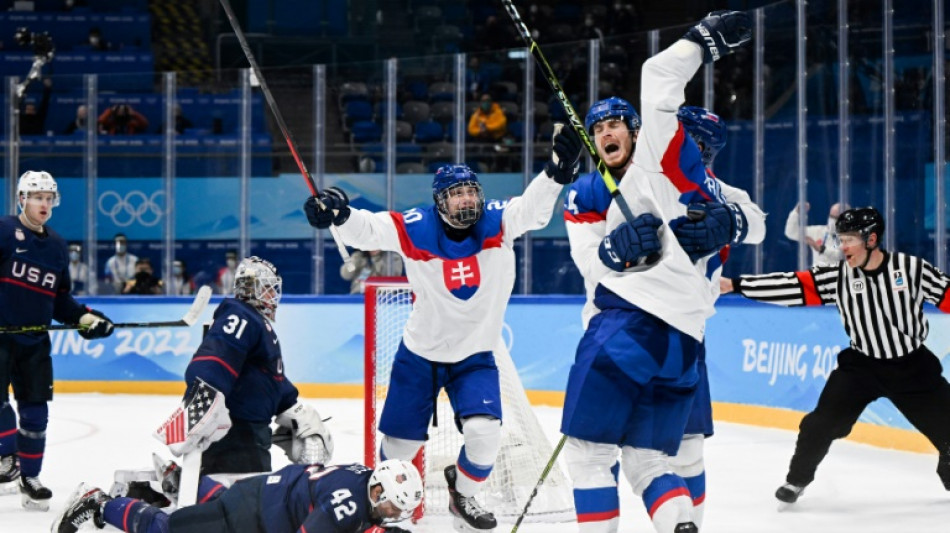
x=572, y=116
x=544, y=475
x=288, y=137
x=190, y=319
x=188, y=487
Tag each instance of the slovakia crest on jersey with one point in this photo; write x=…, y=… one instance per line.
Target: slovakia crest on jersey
x=462, y=276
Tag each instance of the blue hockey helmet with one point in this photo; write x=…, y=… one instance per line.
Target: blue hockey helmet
x=454, y=177
x=706, y=128
x=612, y=107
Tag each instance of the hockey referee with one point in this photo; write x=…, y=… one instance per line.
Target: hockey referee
x=880, y=297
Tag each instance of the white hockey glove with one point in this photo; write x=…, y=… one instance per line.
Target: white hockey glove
x=309, y=440
x=201, y=419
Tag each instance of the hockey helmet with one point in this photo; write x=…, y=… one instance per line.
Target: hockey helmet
x=401, y=483
x=453, y=177
x=706, y=128
x=612, y=107
x=257, y=282
x=36, y=181
x=863, y=221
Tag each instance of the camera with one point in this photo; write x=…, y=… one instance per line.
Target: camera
x=42, y=43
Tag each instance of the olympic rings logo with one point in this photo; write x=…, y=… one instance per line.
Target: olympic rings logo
x=135, y=206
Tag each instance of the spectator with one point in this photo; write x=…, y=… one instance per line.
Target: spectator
x=820, y=238
x=78, y=123
x=180, y=281
x=144, y=281
x=476, y=82
x=96, y=42
x=362, y=265
x=182, y=122
x=488, y=122
x=32, y=118
x=224, y=282
x=122, y=119
x=120, y=268
x=78, y=271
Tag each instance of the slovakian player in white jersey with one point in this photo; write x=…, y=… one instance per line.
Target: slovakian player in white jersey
x=460, y=262
x=634, y=377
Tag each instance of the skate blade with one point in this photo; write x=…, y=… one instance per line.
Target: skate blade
x=462, y=526
x=34, y=505
x=9, y=488
x=784, y=506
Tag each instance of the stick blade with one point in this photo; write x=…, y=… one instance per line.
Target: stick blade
x=198, y=306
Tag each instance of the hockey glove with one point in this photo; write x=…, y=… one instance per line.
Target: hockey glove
x=721, y=33
x=335, y=210
x=97, y=325
x=200, y=420
x=312, y=441
x=708, y=227
x=631, y=242
x=565, y=163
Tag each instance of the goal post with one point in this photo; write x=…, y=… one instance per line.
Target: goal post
x=524, y=451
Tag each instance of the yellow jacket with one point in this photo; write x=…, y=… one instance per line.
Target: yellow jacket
x=495, y=122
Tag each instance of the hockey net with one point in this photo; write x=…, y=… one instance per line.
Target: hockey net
x=525, y=450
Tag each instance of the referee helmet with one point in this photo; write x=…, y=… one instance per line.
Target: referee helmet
x=861, y=220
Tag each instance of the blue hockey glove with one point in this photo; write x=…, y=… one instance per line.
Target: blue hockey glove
x=630, y=242
x=721, y=33
x=565, y=163
x=708, y=227
x=335, y=210
x=97, y=325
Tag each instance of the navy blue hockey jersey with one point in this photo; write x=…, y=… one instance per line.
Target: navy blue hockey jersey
x=34, y=279
x=317, y=499
x=240, y=356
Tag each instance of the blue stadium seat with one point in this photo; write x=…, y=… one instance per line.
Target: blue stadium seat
x=356, y=111
x=428, y=131
x=365, y=131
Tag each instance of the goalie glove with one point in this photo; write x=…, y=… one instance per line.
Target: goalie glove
x=721, y=33
x=310, y=438
x=200, y=420
x=306, y=451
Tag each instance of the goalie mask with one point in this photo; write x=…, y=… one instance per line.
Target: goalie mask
x=256, y=282
x=458, y=195
x=402, y=485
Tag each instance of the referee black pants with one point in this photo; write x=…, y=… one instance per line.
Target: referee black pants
x=914, y=383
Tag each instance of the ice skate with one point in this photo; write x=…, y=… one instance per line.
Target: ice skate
x=469, y=514
x=169, y=476
x=84, y=505
x=686, y=527
x=943, y=470
x=33, y=495
x=9, y=474
x=789, y=493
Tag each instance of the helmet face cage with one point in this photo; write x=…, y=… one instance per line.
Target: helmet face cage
x=861, y=220
x=705, y=128
x=402, y=485
x=612, y=107
x=451, y=180
x=36, y=181
x=256, y=282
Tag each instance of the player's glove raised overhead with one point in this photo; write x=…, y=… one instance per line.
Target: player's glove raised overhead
x=97, y=325
x=631, y=242
x=721, y=33
x=335, y=210
x=565, y=163
x=708, y=227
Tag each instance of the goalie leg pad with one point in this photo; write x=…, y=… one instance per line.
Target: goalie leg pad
x=394, y=448
x=593, y=469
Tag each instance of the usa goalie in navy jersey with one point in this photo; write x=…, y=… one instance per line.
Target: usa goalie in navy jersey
x=34, y=291
x=240, y=359
x=297, y=498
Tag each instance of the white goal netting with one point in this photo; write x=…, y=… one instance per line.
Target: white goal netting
x=524, y=452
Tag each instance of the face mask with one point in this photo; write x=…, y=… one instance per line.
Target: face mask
x=74, y=256
x=231, y=263
x=486, y=106
x=120, y=247
x=176, y=270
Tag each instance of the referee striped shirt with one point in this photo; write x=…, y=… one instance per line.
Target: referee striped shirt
x=882, y=310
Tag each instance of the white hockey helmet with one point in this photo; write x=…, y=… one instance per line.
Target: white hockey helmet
x=257, y=282
x=401, y=483
x=36, y=181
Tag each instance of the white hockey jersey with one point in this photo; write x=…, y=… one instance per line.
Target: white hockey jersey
x=663, y=180
x=461, y=288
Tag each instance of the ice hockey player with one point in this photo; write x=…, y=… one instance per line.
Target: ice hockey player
x=240, y=358
x=34, y=290
x=316, y=498
x=460, y=262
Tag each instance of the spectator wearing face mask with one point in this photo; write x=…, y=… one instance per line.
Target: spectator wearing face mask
x=488, y=122
x=180, y=281
x=78, y=271
x=144, y=282
x=819, y=237
x=224, y=282
x=120, y=268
